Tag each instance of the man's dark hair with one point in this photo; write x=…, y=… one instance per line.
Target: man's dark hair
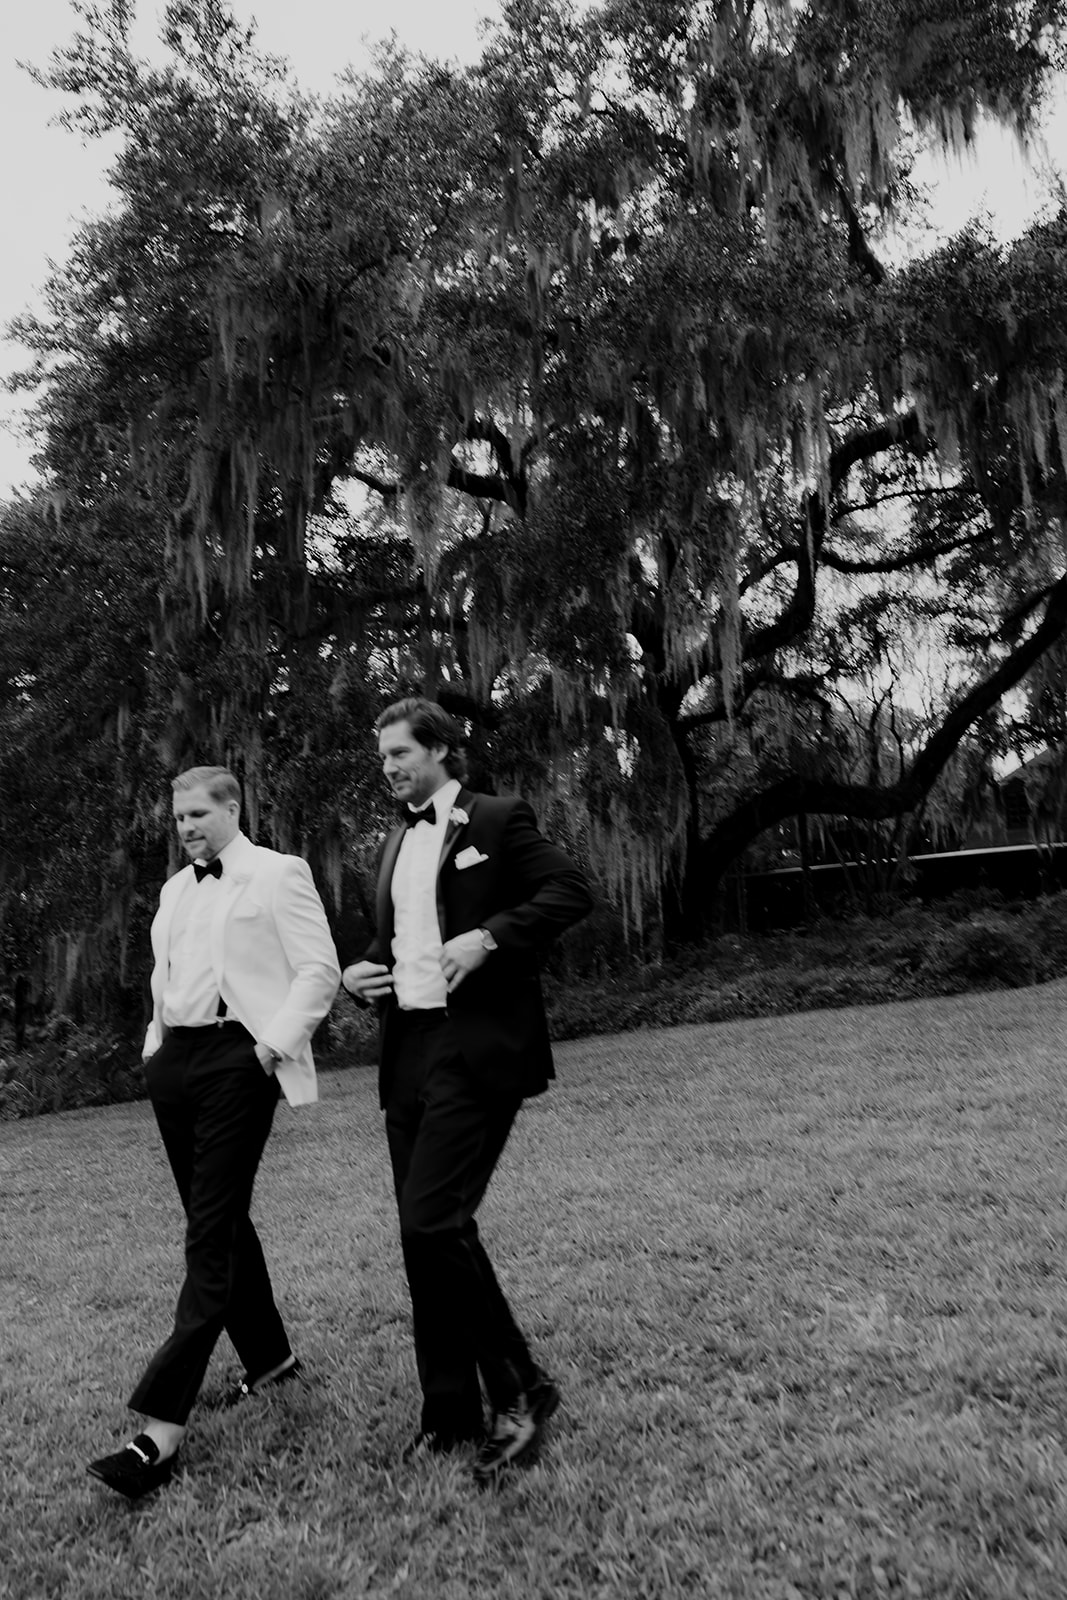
x=430, y=725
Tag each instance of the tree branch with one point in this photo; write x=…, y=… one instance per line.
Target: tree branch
x=801, y=795
x=919, y=555
x=480, y=485
x=511, y=480
x=799, y=688
x=797, y=614
x=388, y=491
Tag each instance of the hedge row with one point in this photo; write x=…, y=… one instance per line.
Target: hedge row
x=972, y=942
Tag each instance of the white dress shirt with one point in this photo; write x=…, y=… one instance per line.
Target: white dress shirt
x=191, y=996
x=420, y=984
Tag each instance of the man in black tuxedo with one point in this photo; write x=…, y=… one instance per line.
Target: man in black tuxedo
x=467, y=903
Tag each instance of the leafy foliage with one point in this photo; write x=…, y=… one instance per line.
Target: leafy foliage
x=572, y=390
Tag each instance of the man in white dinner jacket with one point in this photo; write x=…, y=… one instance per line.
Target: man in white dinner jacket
x=245, y=969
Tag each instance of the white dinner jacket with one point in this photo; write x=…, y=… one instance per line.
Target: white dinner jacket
x=271, y=951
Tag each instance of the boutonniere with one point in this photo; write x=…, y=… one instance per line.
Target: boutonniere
x=459, y=816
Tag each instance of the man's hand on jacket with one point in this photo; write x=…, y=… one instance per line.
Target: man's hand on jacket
x=461, y=956
x=367, y=980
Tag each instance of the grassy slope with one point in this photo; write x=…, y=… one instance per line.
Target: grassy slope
x=802, y=1279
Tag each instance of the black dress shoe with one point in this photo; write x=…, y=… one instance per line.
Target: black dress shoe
x=543, y=1398
x=136, y=1469
x=249, y=1386
x=512, y=1442
x=517, y=1431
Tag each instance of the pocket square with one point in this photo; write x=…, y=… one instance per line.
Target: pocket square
x=469, y=858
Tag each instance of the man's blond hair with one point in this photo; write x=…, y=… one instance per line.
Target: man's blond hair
x=219, y=782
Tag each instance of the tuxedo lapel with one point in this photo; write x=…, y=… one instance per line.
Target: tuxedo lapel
x=455, y=827
x=464, y=801
x=238, y=873
x=390, y=851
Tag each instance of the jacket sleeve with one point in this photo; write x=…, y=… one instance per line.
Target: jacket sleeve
x=305, y=937
x=553, y=889
x=156, y=1032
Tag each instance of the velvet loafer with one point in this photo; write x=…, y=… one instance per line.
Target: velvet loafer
x=136, y=1469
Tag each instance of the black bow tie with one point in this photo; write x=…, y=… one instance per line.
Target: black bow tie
x=210, y=869
x=413, y=818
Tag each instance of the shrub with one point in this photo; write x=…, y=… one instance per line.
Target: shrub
x=988, y=952
x=899, y=942
x=69, y=1067
x=349, y=1038
x=1046, y=925
x=966, y=904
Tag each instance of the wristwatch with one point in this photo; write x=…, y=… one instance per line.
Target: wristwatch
x=488, y=942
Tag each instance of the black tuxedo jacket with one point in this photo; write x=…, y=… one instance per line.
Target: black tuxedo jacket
x=525, y=892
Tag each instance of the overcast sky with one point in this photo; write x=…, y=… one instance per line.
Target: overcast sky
x=53, y=181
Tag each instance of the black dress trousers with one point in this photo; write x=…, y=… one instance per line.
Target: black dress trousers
x=214, y=1105
x=445, y=1136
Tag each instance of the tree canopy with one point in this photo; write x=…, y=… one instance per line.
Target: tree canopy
x=581, y=390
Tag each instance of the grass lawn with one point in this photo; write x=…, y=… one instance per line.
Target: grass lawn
x=803, y=1281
